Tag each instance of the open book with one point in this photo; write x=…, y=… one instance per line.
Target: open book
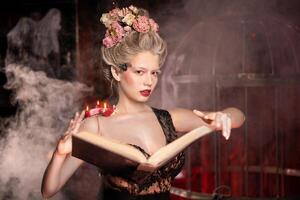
x=114, y=157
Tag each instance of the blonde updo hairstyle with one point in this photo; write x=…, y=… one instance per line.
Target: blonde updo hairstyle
x=132, y=44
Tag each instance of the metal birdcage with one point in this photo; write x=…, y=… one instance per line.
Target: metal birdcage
x=250, y=62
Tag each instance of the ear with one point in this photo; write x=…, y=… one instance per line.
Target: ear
x=115, y=73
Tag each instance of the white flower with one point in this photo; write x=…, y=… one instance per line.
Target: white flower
x=128, y=19
x=105, y=19
x=134, y=9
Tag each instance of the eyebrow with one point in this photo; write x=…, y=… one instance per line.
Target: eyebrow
x=144, y=68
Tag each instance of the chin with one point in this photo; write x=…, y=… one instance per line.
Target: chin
x=143, y=99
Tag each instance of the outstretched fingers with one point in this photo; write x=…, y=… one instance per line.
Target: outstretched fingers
x=199, y=113
x=78, y=122
x=218, y=120
x=75, y=123
x=226, y=125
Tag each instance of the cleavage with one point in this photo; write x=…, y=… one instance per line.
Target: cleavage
x=143, y=130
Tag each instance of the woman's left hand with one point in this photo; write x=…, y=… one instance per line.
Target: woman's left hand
x=218, y=120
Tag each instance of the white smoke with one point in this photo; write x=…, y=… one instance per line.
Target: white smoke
x=45, y=106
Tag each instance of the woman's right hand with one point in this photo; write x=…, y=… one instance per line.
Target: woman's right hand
x=64, y=145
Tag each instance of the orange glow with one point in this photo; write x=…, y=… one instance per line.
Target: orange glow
x=87, y=108
x=104, y=105
x=98, y=103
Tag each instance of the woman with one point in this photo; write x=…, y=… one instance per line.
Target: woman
x=134, y=53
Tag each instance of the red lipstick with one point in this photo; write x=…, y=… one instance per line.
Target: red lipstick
x=145, y=93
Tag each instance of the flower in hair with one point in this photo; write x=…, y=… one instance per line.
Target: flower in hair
x=108, y=42
x=141, y=24
x=129, y=19
x=134, y=9
x=115, y=13
x=127, y=28
x=153, y=25
x=119, y=22
x=106, y=20
x=113, y=35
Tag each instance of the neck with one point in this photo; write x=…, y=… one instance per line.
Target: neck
x=127, y=106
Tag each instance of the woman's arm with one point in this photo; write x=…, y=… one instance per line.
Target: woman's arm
x=60, y=168
x=62, y=165
x=185, y=120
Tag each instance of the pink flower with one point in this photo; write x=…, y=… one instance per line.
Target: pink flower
x=108, y=42
x=113, y=35
x=117, y=31
x=154, y=25
x=127, y=29
x=141, y=24
x=120, y=22
x=114, y=13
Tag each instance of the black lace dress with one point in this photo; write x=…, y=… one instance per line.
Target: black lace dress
x=157, y=185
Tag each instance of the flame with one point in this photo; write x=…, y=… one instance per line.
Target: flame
x=98, y=103
x=104, y=105
x=87, y=108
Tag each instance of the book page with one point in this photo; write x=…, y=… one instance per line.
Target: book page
x=169, y=151
x=114, y=146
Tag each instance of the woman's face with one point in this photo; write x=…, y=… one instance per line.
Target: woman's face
x=140, y=78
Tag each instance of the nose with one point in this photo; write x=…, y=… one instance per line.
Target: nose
x=148, y=80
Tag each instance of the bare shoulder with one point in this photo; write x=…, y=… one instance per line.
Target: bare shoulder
x=90, y=125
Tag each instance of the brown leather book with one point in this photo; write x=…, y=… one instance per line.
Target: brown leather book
x=114, y=157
